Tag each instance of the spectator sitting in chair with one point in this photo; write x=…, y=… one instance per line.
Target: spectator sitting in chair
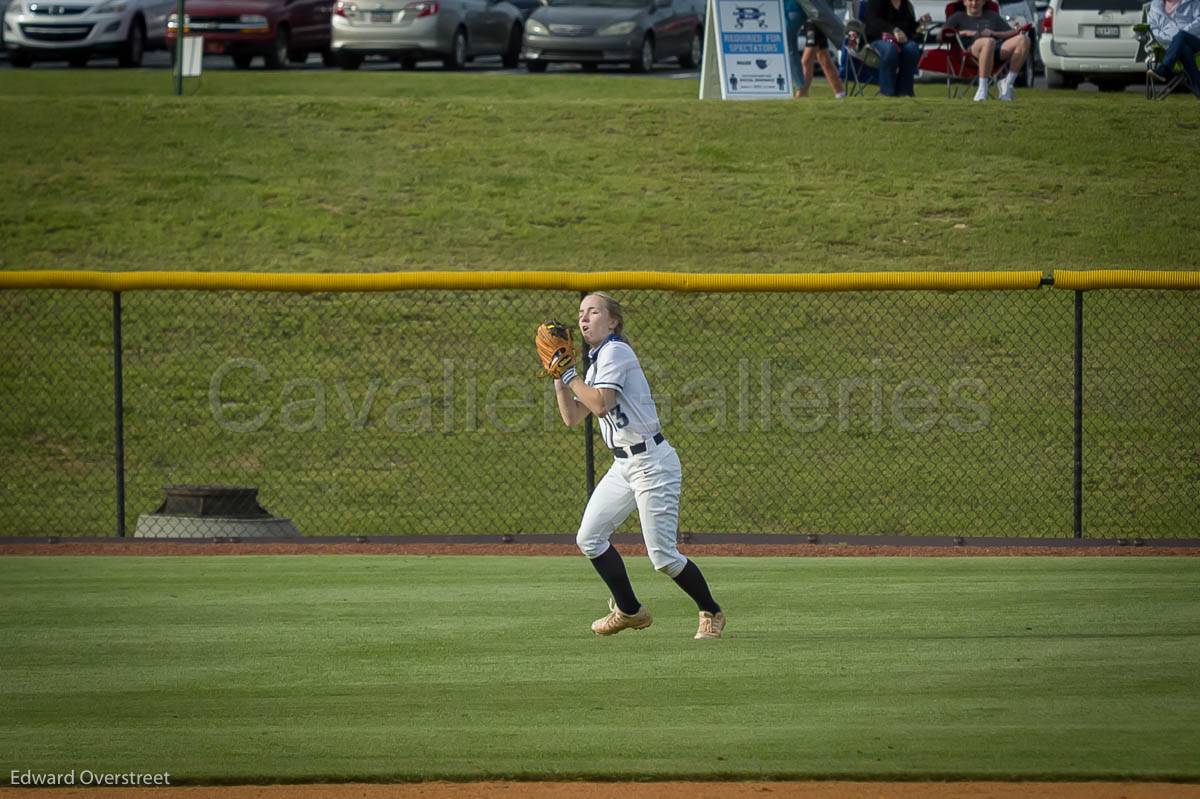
x=891, y=30
x=989, y=33
x=1177, y=24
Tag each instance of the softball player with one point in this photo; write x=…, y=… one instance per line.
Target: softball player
x=645, y=473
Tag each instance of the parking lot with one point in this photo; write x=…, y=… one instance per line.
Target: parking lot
x=661, y=39
x=159, y=60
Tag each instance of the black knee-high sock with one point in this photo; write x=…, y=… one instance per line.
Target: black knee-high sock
x=611, y=569
x=692, y=581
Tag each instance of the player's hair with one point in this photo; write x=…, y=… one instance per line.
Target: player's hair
x=614, y=310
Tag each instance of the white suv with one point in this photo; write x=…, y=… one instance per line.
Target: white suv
x=75, y=30
x=1091, y=40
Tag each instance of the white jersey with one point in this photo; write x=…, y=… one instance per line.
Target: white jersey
x=634, y=418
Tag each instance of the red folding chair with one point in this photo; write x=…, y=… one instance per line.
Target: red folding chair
x=953, y=57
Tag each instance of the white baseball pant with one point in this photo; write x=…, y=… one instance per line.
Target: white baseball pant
x=650, y=482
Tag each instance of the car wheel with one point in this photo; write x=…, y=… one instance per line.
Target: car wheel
x=277, y=58
x=135, y=45
x=512, y=55
x=242, y=61
x=20, y=60
x=589, y=66
x=349, y=61
x=691, y=59
x=535, y=66
x=328, y=58
x=1061, y=80
x=644, y=61
x=408, y=63
x=458, y=51
x=298, y=57
x=78, y=61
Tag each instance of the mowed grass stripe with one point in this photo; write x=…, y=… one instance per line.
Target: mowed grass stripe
x=239, y=669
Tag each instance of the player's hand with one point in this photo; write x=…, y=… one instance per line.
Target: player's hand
x=900, y=37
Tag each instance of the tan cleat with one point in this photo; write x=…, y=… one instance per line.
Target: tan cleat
x=616, y=621
x=711, y=625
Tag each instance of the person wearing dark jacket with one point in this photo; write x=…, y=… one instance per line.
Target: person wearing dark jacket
x=892, y=32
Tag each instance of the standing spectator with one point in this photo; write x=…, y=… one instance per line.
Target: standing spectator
x=816, y=47
x=792, y=18
x=1177, y=22
x=892, y=31
x=985, y=29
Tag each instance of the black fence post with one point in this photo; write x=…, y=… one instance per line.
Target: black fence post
x=589, y=454
x=119, y=412
x=589, y=446
x=1078, y=482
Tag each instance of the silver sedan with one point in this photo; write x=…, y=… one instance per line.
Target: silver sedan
x=454, y=31
x=636, y=32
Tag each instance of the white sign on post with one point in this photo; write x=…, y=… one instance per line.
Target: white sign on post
x=746, y=51
x=193, y=56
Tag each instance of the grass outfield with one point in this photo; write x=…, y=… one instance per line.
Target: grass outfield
x=235, y=669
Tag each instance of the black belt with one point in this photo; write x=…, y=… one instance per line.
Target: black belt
x=637, y=449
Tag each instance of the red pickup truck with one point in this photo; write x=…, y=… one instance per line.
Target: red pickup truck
x=278, y=30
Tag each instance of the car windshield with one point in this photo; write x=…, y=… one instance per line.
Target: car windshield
x=1102, y=5
x=604, y=3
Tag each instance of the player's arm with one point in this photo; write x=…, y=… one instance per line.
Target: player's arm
x=596, y=400
x=570, y=409
x=576, y=402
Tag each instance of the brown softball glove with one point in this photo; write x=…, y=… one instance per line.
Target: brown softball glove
x=555, y=347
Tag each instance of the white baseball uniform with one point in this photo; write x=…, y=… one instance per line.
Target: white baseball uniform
x=645, y=473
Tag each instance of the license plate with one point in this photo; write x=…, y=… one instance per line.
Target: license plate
x=1108, y=32
x=214, y=47
x=381, y=16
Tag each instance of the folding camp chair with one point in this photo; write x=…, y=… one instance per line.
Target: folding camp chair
x=858, y=59
x=954, y=56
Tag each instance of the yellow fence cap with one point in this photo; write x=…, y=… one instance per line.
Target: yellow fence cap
x=529, y=280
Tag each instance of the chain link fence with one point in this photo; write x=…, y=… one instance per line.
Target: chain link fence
x=1141, y=417
x=421, y=412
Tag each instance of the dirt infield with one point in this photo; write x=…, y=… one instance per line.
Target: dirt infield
x=645, y=790
x=144, y=547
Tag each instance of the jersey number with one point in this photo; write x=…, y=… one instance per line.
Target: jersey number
x=618, y=417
